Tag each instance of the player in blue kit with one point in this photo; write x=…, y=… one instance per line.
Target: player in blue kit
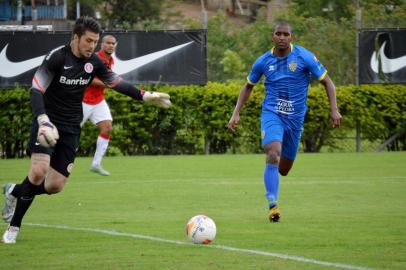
x=287, y=69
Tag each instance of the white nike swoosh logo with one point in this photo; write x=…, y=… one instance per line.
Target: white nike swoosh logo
x=65, y=67
x=387, y=65
x=10, y=69
x=122, y=67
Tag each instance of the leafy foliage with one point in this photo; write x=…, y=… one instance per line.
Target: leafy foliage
x=219, y=38
x=383, y=14
x=328, y=34
x=15, y=120
x=87, y=8
x=124, y=13
x=232, y=64
x=197, y=121
x=331, y=9
x=325, y=27
x=378, y=108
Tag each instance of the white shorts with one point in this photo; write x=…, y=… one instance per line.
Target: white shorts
x=96, y=113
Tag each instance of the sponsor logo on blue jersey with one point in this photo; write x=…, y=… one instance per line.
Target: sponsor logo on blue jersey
x=285, y=106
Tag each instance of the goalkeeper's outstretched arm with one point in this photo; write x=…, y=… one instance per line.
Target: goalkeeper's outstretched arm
x=114, y=81
x=158, y=99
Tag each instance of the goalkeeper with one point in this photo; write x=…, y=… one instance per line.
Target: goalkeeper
x=56, y=99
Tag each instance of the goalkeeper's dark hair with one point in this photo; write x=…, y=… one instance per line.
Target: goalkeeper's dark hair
x=84, y=24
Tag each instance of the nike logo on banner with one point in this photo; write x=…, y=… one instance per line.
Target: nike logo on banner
x=387, y=65
x=10, y=69
x=122, y=67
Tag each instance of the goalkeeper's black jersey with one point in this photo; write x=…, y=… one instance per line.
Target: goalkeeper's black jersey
x=63, y=78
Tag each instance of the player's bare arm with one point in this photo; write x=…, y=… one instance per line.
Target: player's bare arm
x=331, y=94
x=245, y=94
x=98, y=82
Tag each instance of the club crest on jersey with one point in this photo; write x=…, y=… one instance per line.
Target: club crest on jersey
x=69, y=168
x=88, y=67
x=271, y=68
x=292, y=67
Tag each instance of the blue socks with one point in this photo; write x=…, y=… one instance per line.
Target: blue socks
x=271, y=181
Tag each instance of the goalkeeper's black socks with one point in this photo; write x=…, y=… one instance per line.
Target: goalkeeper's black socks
x=17, y=189
x=27, y=192
x=41, y=189
x=38, y=191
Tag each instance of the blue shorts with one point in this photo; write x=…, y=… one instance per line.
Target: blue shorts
x=276, y=129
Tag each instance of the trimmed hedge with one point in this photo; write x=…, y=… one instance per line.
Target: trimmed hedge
x=15, y=122
x=197, y=121
x=379, y=109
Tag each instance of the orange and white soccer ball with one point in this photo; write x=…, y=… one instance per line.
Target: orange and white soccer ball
x=201, y=229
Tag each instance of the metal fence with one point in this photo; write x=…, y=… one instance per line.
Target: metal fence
x=348, y=144
x=9, y=12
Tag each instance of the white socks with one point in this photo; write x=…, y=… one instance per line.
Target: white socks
x=101, y=148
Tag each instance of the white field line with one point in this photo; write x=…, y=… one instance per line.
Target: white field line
x=241, y=250
x=224, y=181
x=254, y=181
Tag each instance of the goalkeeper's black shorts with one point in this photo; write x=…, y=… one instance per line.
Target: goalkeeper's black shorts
x=62, y=155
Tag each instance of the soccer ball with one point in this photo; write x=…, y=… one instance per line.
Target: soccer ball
x=201, y=229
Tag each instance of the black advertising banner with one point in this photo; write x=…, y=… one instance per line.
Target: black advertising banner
x=142, y=57
x=382, y=56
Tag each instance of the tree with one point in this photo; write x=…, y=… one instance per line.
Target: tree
x=383, y=13
x=233, y=66
x=87, y=8
x=330, y=36
x=221, y=35
x=329, y=9
x=130, y=12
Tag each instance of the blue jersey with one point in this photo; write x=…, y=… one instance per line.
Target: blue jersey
x=287, y=82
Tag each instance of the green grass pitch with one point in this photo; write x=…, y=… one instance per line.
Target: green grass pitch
x=339, y=211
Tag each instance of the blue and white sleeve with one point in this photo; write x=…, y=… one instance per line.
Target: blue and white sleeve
x=315, y=67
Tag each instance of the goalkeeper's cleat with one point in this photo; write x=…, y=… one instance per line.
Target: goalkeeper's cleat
x=10, y=235
x=10, y=202
x=274, y=214
x=99, y=169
